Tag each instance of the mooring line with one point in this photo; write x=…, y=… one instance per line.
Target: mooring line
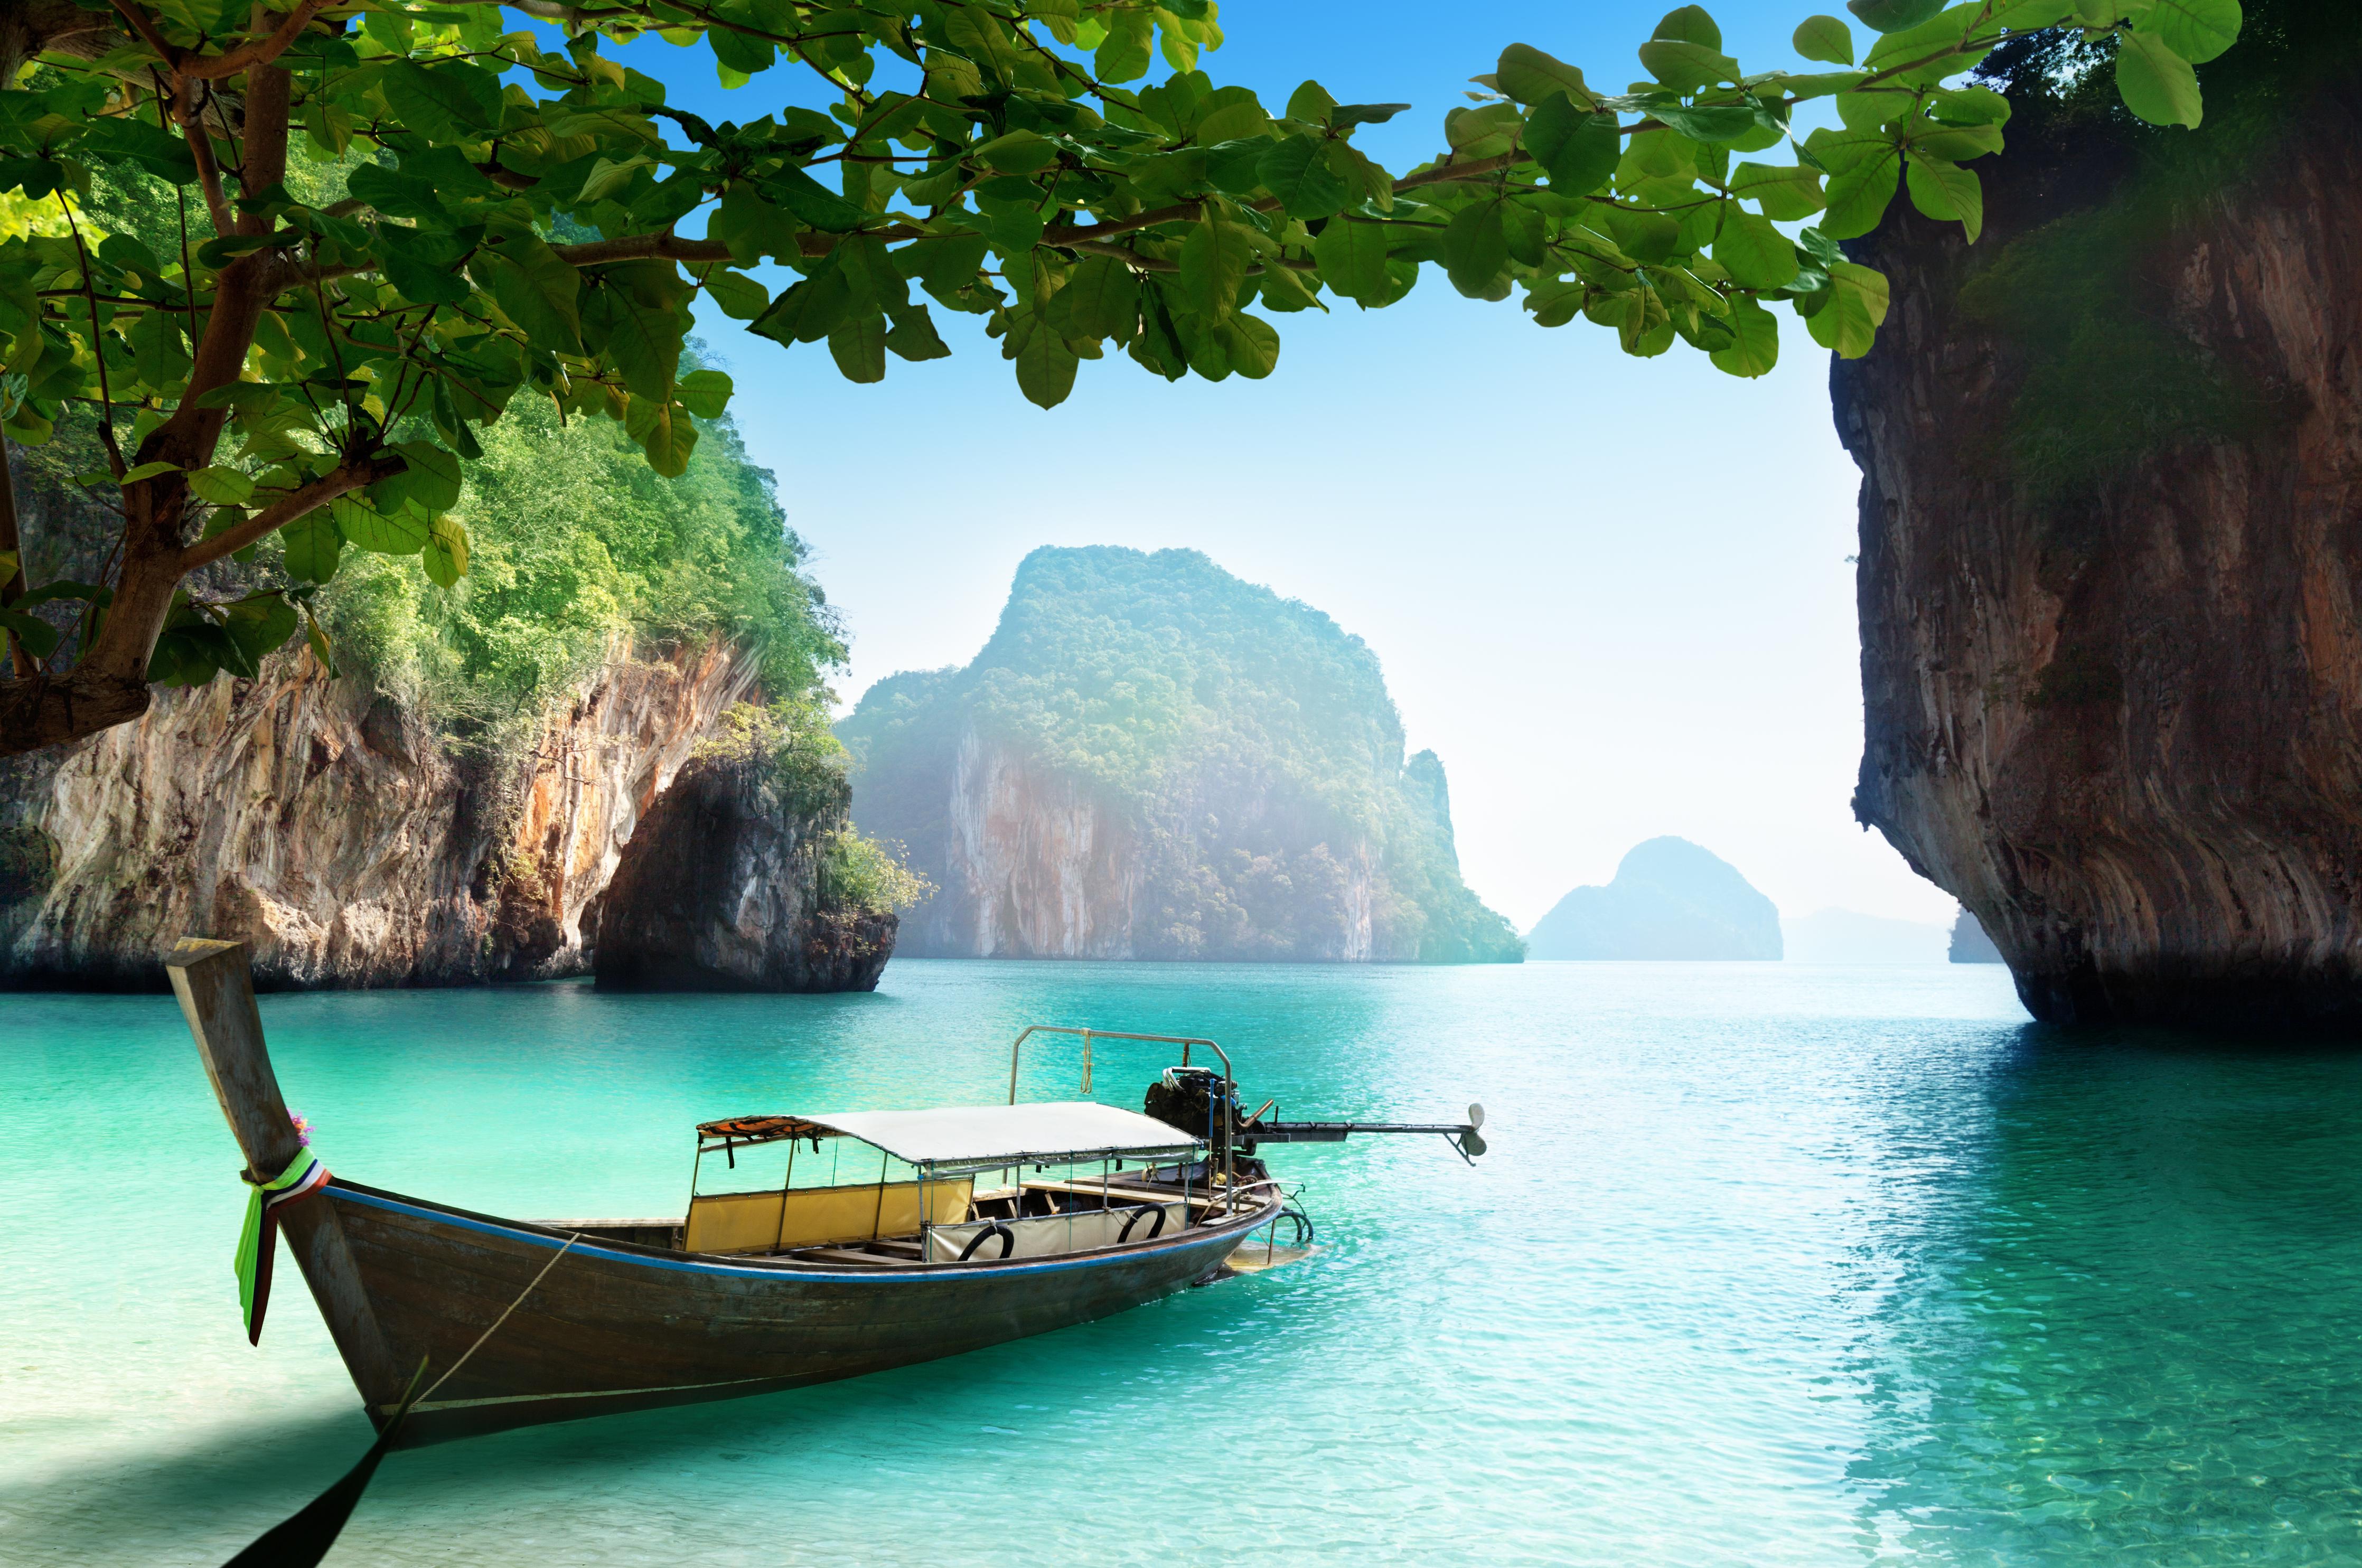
x=503, y=1317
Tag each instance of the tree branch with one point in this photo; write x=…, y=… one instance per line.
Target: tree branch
x=147, y=33
x=201, y=148
x=297, y=504
x=667, y=247
x=254, y=51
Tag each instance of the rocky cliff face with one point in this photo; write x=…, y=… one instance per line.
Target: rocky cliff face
x=2121, y=718
x=1152, y=759
x=1034, y=864
x=723, y=888
x=336, y=832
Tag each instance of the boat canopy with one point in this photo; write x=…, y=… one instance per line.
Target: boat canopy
x=979, y=1137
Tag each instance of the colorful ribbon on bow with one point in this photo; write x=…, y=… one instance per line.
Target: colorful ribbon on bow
x=258, y=1241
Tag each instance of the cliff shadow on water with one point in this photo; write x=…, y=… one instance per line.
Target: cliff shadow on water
x=2111, y=569
x=1153, y=759
x=2108, y=1282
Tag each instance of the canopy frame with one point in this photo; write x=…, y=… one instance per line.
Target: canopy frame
x=1229, y=1080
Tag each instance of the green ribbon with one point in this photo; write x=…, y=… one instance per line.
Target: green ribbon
x=249, y=1240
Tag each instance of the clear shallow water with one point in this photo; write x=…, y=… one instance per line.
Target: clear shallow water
x=1769, y=1264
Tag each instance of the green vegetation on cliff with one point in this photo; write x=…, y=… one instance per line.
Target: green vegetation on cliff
x=1246, y=742
x=577, y=544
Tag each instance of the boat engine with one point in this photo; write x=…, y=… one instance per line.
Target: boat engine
x=1202, y=1103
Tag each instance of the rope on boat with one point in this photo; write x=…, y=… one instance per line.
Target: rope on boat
x=304, y=1537
x=503, y=1317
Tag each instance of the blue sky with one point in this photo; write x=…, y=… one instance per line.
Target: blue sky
x=1612, y=594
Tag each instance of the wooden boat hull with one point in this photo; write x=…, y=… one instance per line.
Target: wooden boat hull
x=617, y=1327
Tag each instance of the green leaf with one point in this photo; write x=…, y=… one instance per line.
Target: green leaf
x=1045, y=365
x=1859, y=193
x=1684, y=67
x=1711, y=121
x=664, y=432
x=1530, y=76
x=1946, y=190
x=914, y=335
x=1893, y=15
x=639, y=318
x=535, y=288
x=2197, y=31
x=857, y=344
x=433, y=478
x=114, y=140
x=1824, y=39
x=159, y=350
x=1129, y=49
x=1353, y=257
x=1214, y=261
x=422, y=264
x=1755, y=341
x=705, y=393
x=1785, y=191
x=1578, y=150
x=387, y=534
x=452, y=102
x=319, y=641
x=1311, y=101
x=1296, y=170
x=222, y=487
x=1251, y=346
x=1690, y=24
x=1756, y=255
x=312, y=543
x=812, y=202
x=1476, y=249
x=1019, y=152
x=259, y=625
x=809, y=311
x=1644, y=236
x=40, y=638
x=1100, y=299
x=140, y=471
x=2157, y=83
x=740, y=297
x=1849, y=323
x=446, y=555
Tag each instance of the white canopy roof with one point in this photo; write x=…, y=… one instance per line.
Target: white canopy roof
x=986, y=1135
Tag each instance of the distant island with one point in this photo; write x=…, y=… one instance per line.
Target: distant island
x=1971, y=944
x=1669, y=900
x=1152, y=758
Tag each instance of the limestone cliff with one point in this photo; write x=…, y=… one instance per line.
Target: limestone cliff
x=729, y=883
x=2116, y=706
x=337, y=832
x=1152, y=759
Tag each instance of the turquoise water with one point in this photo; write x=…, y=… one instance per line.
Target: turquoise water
x=1767, y=1264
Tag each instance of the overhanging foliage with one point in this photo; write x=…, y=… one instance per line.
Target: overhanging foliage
x=321, y=366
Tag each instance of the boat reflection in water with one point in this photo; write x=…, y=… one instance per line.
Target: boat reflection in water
x=884, y=1238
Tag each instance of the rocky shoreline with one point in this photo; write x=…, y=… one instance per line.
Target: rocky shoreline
x=339, y=834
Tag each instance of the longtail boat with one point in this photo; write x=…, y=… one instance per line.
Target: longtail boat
x=911, y=1235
